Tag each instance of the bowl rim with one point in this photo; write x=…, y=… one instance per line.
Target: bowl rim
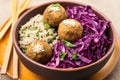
x=65, y=69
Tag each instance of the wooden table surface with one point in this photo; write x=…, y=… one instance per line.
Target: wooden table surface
x=111, y=8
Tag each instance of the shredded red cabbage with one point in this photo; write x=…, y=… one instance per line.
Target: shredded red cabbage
x=91, y=47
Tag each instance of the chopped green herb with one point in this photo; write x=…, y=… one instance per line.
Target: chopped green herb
x=54, y=37
x=68, y=44
x=34, y=28
x=37, y=34
x=47, y=34
x=28, y=35
x=41, y=36
x=50, y=41
x=74, y=55
x=62, y=55
x=24, y=49
x=47, y=26
x=51, y=34
x=56, y=5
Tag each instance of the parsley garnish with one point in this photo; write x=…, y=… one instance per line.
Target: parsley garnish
x=74, y=55
x=68, y=44
x=24, y=49
x=62, y=55
x=56, y=5
x=47, y=26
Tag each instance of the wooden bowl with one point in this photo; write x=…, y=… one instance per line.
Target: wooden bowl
x=59, y=73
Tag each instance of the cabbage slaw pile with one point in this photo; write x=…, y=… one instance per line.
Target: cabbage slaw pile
x=91, y=47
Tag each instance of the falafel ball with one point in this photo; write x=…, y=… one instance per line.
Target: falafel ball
x=70, y=30
x=54, y=14
x=39, y=51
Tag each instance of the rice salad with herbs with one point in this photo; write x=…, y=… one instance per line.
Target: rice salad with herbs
x=35, y=29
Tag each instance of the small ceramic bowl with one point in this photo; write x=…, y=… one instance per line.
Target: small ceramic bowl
x=59, y=73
